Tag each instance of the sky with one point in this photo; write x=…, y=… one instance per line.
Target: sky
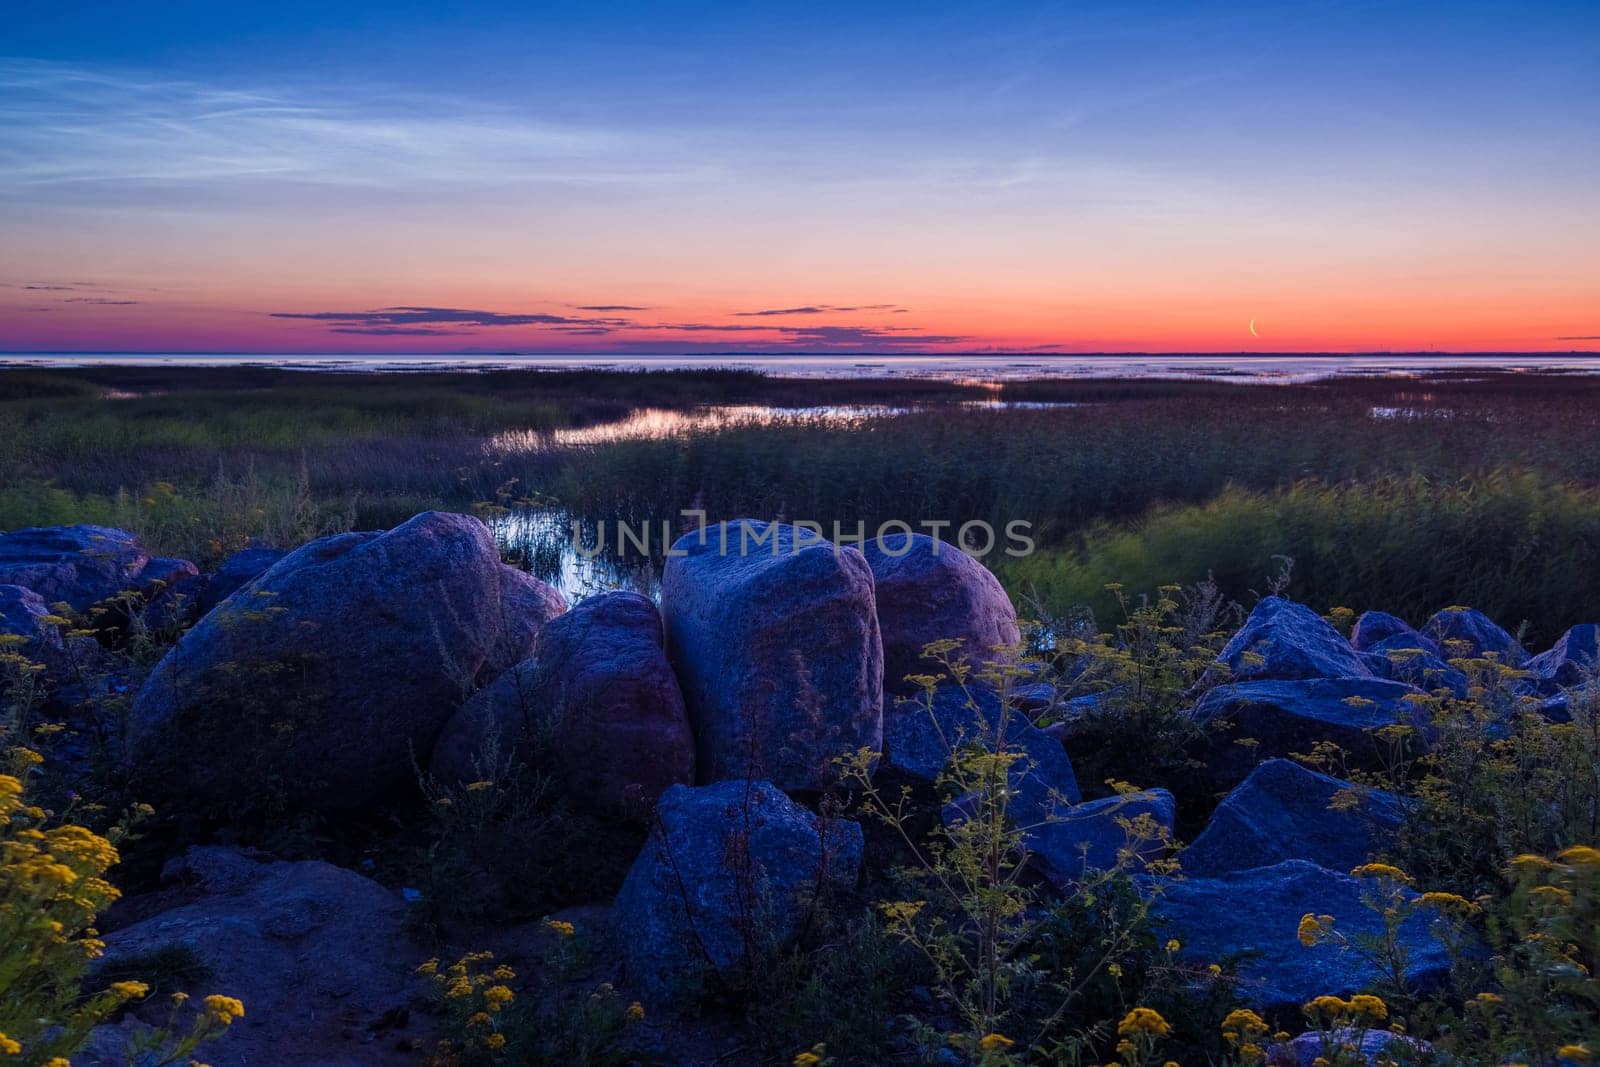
x=774, y=177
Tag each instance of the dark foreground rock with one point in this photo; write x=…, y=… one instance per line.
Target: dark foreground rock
x=36, y=637
x=921, y=733
x=1465, y=633
x=1377, y=628
x=526, y=605
x=318, y=955
x=774, y=638
x=80, y=565
x=1310, y=1048
x=323, y=681
x=1286, y=811
x=1253, y=916
x=1569, y=662
x=729, y=876
x=1410, y=658
x=600, y=694
x=1282, y=718
x=1282, y=639
x=235, y=572
x=1127, y=831
x=928, y=590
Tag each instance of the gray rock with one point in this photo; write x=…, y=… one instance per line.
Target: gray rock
x=1282, y=639
x=1410, y=658
x=1377, y=627
x=1131, y=830
x=80, y=565
x=322, y=682
x=317, y=954
x=1253, y=917
x=1570, y=661
x=1282, y=718
x=526, y=604
x=1286, y=811
x=1464, y=633
x=600, y=693
x=928, y=590
x=728, y=878
x=919, y=738
x=1306, y=1049
x=774, y=638
x=235, y=572
x=24, y=614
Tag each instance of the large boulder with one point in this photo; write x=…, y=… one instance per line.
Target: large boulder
x=318, y=955
x=235, y=572
x=1127, y=831
x=1464, y=633
x=1379, y=1047
x=928, y=590
x=33, y=634
x=1282, y=639
x=1375, y=628
x=1252, y=721
x=1254, y=916
x=1413, y=659
x=1287, y=811
x=1570, y=661
x=728, y=878
x=526, y=604
x=321, y=683
x=774, y=637
x=921, y=733
x=79, y=565
x=600, y=694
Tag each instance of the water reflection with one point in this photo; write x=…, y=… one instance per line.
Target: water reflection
x=656, y=424
x=540, y=539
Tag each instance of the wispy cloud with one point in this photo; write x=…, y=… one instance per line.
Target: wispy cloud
x=817, y=309
x=426, y=321
x=391, y=320
x=68, y=124
x=610, y=307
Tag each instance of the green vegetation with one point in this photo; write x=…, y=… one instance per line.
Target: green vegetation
x=1412, y=493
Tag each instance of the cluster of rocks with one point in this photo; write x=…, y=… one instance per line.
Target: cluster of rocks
x=335, y=670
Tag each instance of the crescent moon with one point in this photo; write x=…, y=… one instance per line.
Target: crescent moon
x=1253, y=329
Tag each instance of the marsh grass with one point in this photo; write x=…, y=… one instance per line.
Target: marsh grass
x=1406, y=492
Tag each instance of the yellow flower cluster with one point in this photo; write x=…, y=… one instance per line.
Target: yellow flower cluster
x=1382, y=871
x=224, y=1009
x=1313, y=928
x=1362, y=1008
x=1143, y=1021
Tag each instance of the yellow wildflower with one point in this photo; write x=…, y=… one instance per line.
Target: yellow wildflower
x=806, y=1059
x=129, y=990
x=1174, y=945
x=1573, y=1052
x=561, y=927
x=1382, y=870
x=994, y=1042
x=1448, y=902
x=498, y=996
x=224, y=1009
x=9, y=1046
x=635, y=1012
x=1368, y=1005
x=1143, y=1021
x=495, y=1041
x=430, y=967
